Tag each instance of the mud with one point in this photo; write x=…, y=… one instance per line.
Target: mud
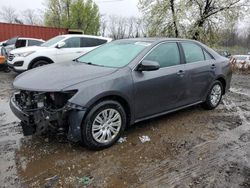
x=189, y=148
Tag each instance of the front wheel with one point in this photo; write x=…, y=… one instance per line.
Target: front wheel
x=39, y=63
x=103, y=125
x=214, y=96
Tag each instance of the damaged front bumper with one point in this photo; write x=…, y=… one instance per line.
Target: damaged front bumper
x=64, y=121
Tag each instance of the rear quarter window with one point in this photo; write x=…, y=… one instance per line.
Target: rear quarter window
x=192, y=52
x=207, y=55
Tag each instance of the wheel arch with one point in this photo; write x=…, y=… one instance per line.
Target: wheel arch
x=223, y=82
x=40, y=58
x=115, y=97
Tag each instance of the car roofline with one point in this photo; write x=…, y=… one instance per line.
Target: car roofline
x=26, y=38
x=82, y=35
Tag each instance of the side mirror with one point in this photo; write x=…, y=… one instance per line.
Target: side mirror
x=61, y=44
x=147, y=65
x=4, y=44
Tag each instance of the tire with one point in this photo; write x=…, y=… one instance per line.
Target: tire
x=39, y=63
x=96, y=131
x=214, y=97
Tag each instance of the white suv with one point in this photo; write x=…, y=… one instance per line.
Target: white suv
x=58, y=49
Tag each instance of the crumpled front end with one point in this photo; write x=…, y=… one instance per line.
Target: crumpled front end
x=48, y=112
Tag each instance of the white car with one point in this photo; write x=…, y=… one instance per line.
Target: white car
x=242, y=61
x=58, y=49
x=19, y=42
x=242, y=58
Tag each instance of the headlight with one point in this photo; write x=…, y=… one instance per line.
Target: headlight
x=25, y=54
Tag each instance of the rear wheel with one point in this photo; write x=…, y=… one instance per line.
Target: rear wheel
x=39, y=63
x=214, y=96
x=103, y=125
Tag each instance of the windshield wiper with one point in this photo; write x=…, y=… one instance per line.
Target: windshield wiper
x=88, y=63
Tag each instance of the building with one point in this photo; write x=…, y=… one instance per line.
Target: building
x=8, y=31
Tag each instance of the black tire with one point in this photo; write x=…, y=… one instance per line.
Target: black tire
x=86, y=128
x=39, y=63
x=208, y=104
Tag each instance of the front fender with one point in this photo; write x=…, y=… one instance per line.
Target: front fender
x=94, y=90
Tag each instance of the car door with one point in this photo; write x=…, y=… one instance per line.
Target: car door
x=71, y=50
x=200, y=69
x=163, y=89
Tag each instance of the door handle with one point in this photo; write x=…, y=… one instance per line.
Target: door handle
x=79, y=52
x=213, y=66
x=181, y=72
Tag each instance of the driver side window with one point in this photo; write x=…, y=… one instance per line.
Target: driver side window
x=73, y=42
x=166, y=54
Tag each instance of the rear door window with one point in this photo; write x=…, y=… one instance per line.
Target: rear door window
x=92, y=42
x=73, y=42
x=34, y=43
x=193, y=53
x=166, y=54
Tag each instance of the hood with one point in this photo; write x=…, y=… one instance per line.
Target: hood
x=56, y=77
x=28, y=49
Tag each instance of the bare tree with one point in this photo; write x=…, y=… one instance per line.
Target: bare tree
x=8, y=14
x=125, y=27
x=103, y=25
x=195, y=19
x=117, y=27
x=208, y=8
x=29, y=17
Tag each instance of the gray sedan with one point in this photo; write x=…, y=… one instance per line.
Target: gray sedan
x=93, y=98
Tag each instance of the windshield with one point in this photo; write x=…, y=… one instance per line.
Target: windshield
x=52, y=41
x=114, y=54
x=11, y=41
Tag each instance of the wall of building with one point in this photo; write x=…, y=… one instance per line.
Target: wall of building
x=8, y=31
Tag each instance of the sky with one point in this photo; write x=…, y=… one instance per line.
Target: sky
x=108, y=7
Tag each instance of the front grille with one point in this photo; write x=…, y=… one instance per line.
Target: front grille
x=11, y=57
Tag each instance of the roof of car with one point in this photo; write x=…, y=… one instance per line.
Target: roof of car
x=160, y=39
x=81, y=35
x=25, y=38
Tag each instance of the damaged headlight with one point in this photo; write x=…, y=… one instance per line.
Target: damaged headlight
x=59, y=99
x=50, y=101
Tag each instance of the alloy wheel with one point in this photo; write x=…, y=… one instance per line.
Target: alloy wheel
x=106, y=125
x=215, y=94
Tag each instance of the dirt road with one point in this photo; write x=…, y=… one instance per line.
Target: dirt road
x=190, y=148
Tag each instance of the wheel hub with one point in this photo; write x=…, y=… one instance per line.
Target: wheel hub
x=106, y=125
x=215, y=94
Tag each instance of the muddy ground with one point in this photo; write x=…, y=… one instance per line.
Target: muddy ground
x=189, y=148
